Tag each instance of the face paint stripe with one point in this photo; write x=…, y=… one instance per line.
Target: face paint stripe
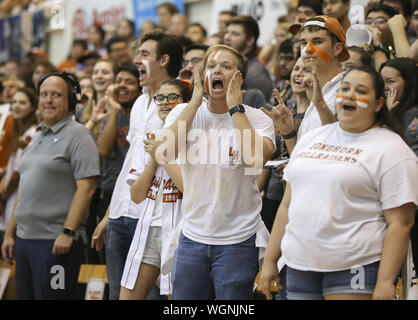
x=207, y=83
x=317, y=51
x=363, y=100
x=145, y=62
x=362, y=103
x=310, y=48
x=322, y=54
x=214, y=55
x=303, y=51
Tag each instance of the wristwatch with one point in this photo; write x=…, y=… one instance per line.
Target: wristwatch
x=290, y=135
x=68, y=232
x=380, y=47
x=237, y=108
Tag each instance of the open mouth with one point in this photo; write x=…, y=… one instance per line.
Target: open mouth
x=142, y=75
x=186, y=74
x=298, y=81
x=100, y=83
x=84, y=98
x=165, y=109
x=347, y=107
x=217, y=84
x=122, y=93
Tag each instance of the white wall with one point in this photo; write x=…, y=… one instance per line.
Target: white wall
x=200, y=11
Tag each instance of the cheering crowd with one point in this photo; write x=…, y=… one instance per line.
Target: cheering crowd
x=190, y=164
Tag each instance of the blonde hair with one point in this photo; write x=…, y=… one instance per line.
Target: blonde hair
x=242, y=60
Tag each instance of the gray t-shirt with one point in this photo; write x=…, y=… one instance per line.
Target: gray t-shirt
x=50, y=166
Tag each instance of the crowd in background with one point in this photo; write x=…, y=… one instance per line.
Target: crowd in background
x=110, y=84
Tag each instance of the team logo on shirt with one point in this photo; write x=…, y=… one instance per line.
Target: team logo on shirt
x=171, y=193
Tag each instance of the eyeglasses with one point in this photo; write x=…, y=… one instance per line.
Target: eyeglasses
x=194, y=61
x=370, y=21
x=171, y=98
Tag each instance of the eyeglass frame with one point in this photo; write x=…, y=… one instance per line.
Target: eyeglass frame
x=375, y=21
x=194, y=61
x=285, y=57
x=167, y=97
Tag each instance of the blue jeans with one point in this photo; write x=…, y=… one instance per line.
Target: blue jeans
x=310, y=285
x=120, y=233
x=229, y=270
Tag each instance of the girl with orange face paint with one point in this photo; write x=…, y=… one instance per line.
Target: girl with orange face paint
x=361, y=102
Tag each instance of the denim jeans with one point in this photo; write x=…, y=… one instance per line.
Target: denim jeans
x=120, y=233
x=310, y=285
x=229, y=270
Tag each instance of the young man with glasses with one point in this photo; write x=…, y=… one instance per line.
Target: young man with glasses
x=283, y=66
x=193, y=58
x=377, y=18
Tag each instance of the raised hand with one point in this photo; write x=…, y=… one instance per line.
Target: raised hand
x=234, y=93
x=397, y=22
x=311, y=82
x=281, y=115
x=198, y=91
x=150, y=145
x=391, y=99
x=99, y=110
x=376, y=35
x=111, y=91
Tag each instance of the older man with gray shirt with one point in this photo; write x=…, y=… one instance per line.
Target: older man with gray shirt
x=58, y=176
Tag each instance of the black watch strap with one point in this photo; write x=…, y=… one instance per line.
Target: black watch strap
x=290, y=135
x=237, y=108
x=382, y=48
x=68, y=232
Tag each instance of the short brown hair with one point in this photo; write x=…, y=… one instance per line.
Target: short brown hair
x=242, y=60
x=249, y=24
x=166, y=44
x=169, y=6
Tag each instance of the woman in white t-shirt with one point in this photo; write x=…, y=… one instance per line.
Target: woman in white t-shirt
x=23, y=110
x=161, y=188
x=349, y=204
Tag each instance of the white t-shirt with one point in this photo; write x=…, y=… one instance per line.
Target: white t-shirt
x=311, y=119
x=221, y=204
x=341, y=183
